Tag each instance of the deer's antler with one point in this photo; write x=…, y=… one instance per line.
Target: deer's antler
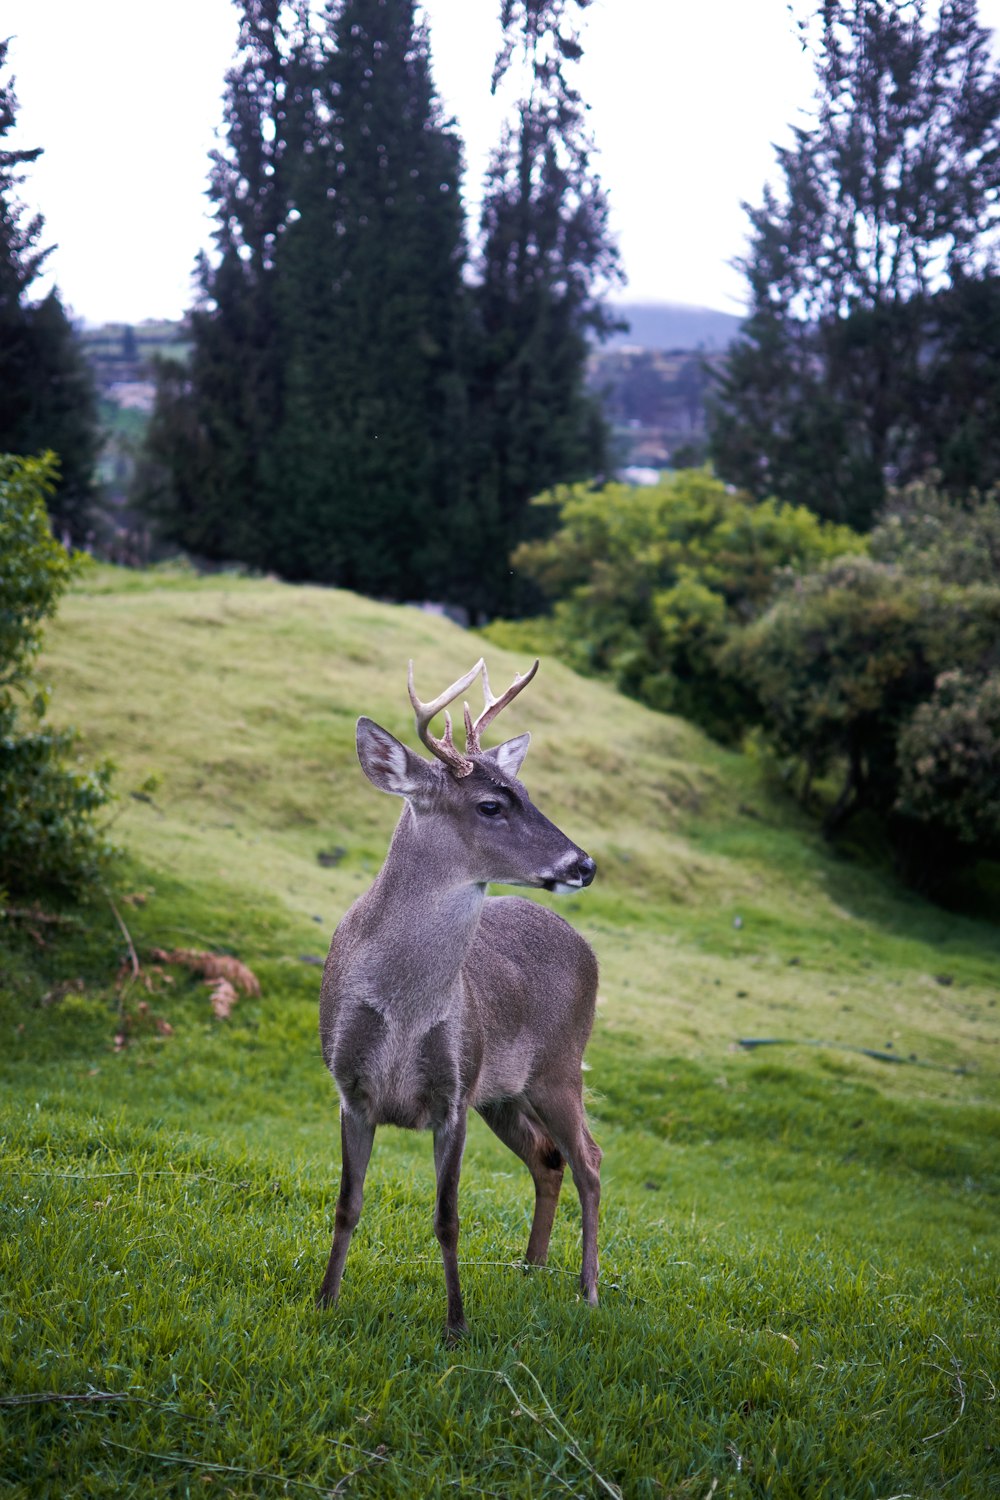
x=445, y=749
x=493, y=707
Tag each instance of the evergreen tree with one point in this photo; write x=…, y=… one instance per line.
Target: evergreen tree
x=47, y=397
x=372, y=302
x=546, y=257
x=890, y=198
x=207, y=473
x=320, y=427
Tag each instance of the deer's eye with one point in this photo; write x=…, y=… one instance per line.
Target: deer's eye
x=489, y=808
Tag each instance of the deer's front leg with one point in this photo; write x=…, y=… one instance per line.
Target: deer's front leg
x=356, y=1137
x=449, y=1143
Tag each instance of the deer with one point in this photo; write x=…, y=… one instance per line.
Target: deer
x=437, y=998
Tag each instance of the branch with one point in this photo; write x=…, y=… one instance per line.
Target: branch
x=133, y=956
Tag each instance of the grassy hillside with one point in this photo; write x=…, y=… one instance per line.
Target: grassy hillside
x=799, y=1243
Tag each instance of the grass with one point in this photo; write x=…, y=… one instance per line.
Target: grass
x=799, y=1242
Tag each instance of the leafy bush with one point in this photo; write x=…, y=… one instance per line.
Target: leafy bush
x=949, y=761
x=48, y=838
x=926, y=531
x=648, y=583
x=890, y=675
x=836, y=665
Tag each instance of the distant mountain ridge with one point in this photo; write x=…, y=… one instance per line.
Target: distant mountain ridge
x=673, y=325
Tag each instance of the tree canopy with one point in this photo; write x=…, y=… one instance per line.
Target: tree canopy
x=884, y=671
x=366, y=404
x=871, y=271
x=545, y=261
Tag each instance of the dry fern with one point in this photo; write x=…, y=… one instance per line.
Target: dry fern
x=212, y=966
x=223, y=997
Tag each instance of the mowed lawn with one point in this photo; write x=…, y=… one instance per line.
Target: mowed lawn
x=799, y=1240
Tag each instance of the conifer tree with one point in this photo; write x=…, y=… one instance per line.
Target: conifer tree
x=546, y=258
x=207, y=472
x=373, y=306
x=320, y=429
x=47, y=398
x=862, y=271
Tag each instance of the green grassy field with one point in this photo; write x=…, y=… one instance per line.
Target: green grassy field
x=799, y=1241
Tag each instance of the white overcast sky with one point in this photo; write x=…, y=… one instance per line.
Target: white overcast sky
x=124, y=96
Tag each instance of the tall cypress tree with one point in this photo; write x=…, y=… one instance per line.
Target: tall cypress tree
x=546, y=259
x=371, y=278
x=47, y=397
x=320, y=429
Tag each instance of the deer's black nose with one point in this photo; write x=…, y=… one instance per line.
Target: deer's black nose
x=587, y=868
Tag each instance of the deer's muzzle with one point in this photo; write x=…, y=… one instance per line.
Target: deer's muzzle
x=574, y=877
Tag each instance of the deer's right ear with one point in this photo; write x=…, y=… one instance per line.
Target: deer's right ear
x=388, y=764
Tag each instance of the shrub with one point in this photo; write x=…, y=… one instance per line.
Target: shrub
x=647, y=584
x=836, y=664
x=892, y=679
x=949, y=761
x=48, y=836
x=956, y=540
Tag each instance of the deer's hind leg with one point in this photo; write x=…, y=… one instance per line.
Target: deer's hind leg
x=544, y=1161
x=560, y=1111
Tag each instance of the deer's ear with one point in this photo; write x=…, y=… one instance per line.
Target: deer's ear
x=509, y=757
x=389, y=765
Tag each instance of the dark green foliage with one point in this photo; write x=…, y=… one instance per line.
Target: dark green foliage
x=949, y=761
x=47, y=396
x=47, y=833
x=888, y=669
x=546, y=257
x=371, y=298
x=648, y=584
x=21, y=260
x=837, y=664
x=53, y=407
x=36, y=569
x=175, y=480
x=320, y=427
x=353, y=411
x=206, y=476
x=926, y=531
x=874, y=332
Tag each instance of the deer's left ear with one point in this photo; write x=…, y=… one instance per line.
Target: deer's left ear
x=509, y=757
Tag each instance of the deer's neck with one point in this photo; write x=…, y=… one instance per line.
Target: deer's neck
x=421, y=916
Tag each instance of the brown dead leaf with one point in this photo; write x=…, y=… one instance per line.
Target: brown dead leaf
x=223, y=997
x=212, y=966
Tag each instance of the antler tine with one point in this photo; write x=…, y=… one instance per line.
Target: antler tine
x=493, y=707
x=444, y=749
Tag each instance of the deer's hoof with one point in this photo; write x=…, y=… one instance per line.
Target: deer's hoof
x=455, y=1333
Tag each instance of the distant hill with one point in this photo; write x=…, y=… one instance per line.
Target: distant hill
x=673, y=325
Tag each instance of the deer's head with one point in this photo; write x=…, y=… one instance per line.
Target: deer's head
x=474, y=816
